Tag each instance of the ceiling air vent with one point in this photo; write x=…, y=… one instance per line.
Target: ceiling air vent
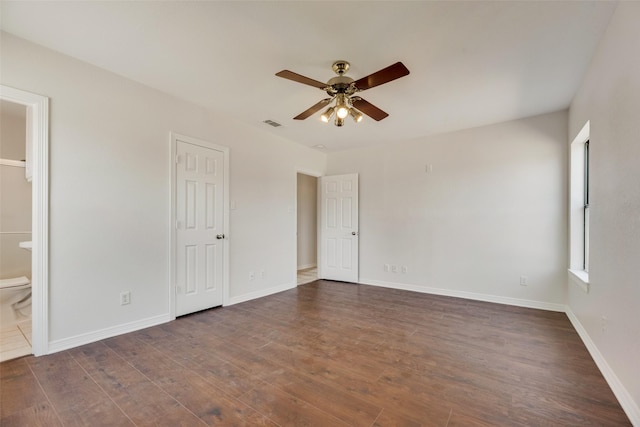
x=272, y=123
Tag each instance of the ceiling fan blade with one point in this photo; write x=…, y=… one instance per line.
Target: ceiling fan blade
x=312, y=110
x=383, y=76
x=286, y=74
x=368, y=108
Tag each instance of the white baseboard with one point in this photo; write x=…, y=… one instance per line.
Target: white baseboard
x=82, y=339
x=261, y=293
x=626, y=401
x=305, y=266
x=541, y=305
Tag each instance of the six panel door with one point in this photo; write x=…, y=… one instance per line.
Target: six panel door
x=339, y=228
x=199, y=228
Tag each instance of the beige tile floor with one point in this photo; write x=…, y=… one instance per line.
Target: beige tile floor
x=307, y=275
x=15, y=340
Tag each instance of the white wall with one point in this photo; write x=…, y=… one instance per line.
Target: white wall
x=610, y=99
x=492, y=209
x=13, y=130
x=307, y=221
x=110, y=199
x=15, y=191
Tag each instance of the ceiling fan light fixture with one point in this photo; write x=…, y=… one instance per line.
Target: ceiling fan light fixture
x=342, y=107
x=339, y=121
x=357, y=115
x=343, y=111
x=326, y=116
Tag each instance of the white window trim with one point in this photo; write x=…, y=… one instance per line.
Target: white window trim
x=577, y=273
x=580, y=278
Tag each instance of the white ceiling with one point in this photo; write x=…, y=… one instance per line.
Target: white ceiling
x=472, y=63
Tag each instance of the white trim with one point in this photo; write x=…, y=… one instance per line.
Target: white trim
x=90, y=337
x=226, y=212
x=579, y=278
x=261, y=293
x=14, y=163
x=624, y=397
x=305, y=266
x=172, y=229
x=309, y=172
x=38, y=122
x=541, y=305
x=584, y=133
x=576, y=200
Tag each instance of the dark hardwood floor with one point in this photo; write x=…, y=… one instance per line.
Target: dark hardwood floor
x=324, y=354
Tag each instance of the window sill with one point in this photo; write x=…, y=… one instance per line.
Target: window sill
x=580, y=278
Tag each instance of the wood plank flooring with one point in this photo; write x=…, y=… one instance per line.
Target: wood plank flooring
x=324, y=354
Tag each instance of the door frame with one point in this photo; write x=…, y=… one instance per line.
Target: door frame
x=315, y=174
x=38, y=130
x=175, y=137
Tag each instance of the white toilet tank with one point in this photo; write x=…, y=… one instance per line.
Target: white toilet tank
x=15, y=300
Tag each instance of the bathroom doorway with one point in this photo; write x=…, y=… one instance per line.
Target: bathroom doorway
x=15, y=233
x=36, y=166
x=307, y=228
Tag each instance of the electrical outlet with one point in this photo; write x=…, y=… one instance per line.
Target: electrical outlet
x=394, y=268
x=404, y=269
x=604, y=322
x=386, y=267
x=125, y=298
x=523, y=280
x=252, y=275
x=263, y=274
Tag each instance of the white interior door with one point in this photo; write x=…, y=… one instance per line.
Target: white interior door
x=339, y=228
x=199, y=227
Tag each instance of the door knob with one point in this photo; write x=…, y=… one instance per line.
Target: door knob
x=354, y=233
x=220, y=236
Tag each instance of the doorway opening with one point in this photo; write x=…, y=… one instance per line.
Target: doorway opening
x=36, y=168
x=307, y=228
x=15, y=233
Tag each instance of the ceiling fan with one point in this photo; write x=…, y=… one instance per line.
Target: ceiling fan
x=343, y=90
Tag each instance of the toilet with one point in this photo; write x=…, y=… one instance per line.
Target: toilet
x=15, y=300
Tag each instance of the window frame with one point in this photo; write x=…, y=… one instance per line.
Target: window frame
x=585, y=219
x=579, y=208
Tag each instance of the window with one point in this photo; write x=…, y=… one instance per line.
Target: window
x=579, y=209
x=585, y=243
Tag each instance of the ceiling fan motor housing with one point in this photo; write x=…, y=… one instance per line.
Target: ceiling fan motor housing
x=341, y=84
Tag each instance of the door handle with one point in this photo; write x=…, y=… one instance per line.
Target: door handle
x=220, y=236
x=354, y=233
